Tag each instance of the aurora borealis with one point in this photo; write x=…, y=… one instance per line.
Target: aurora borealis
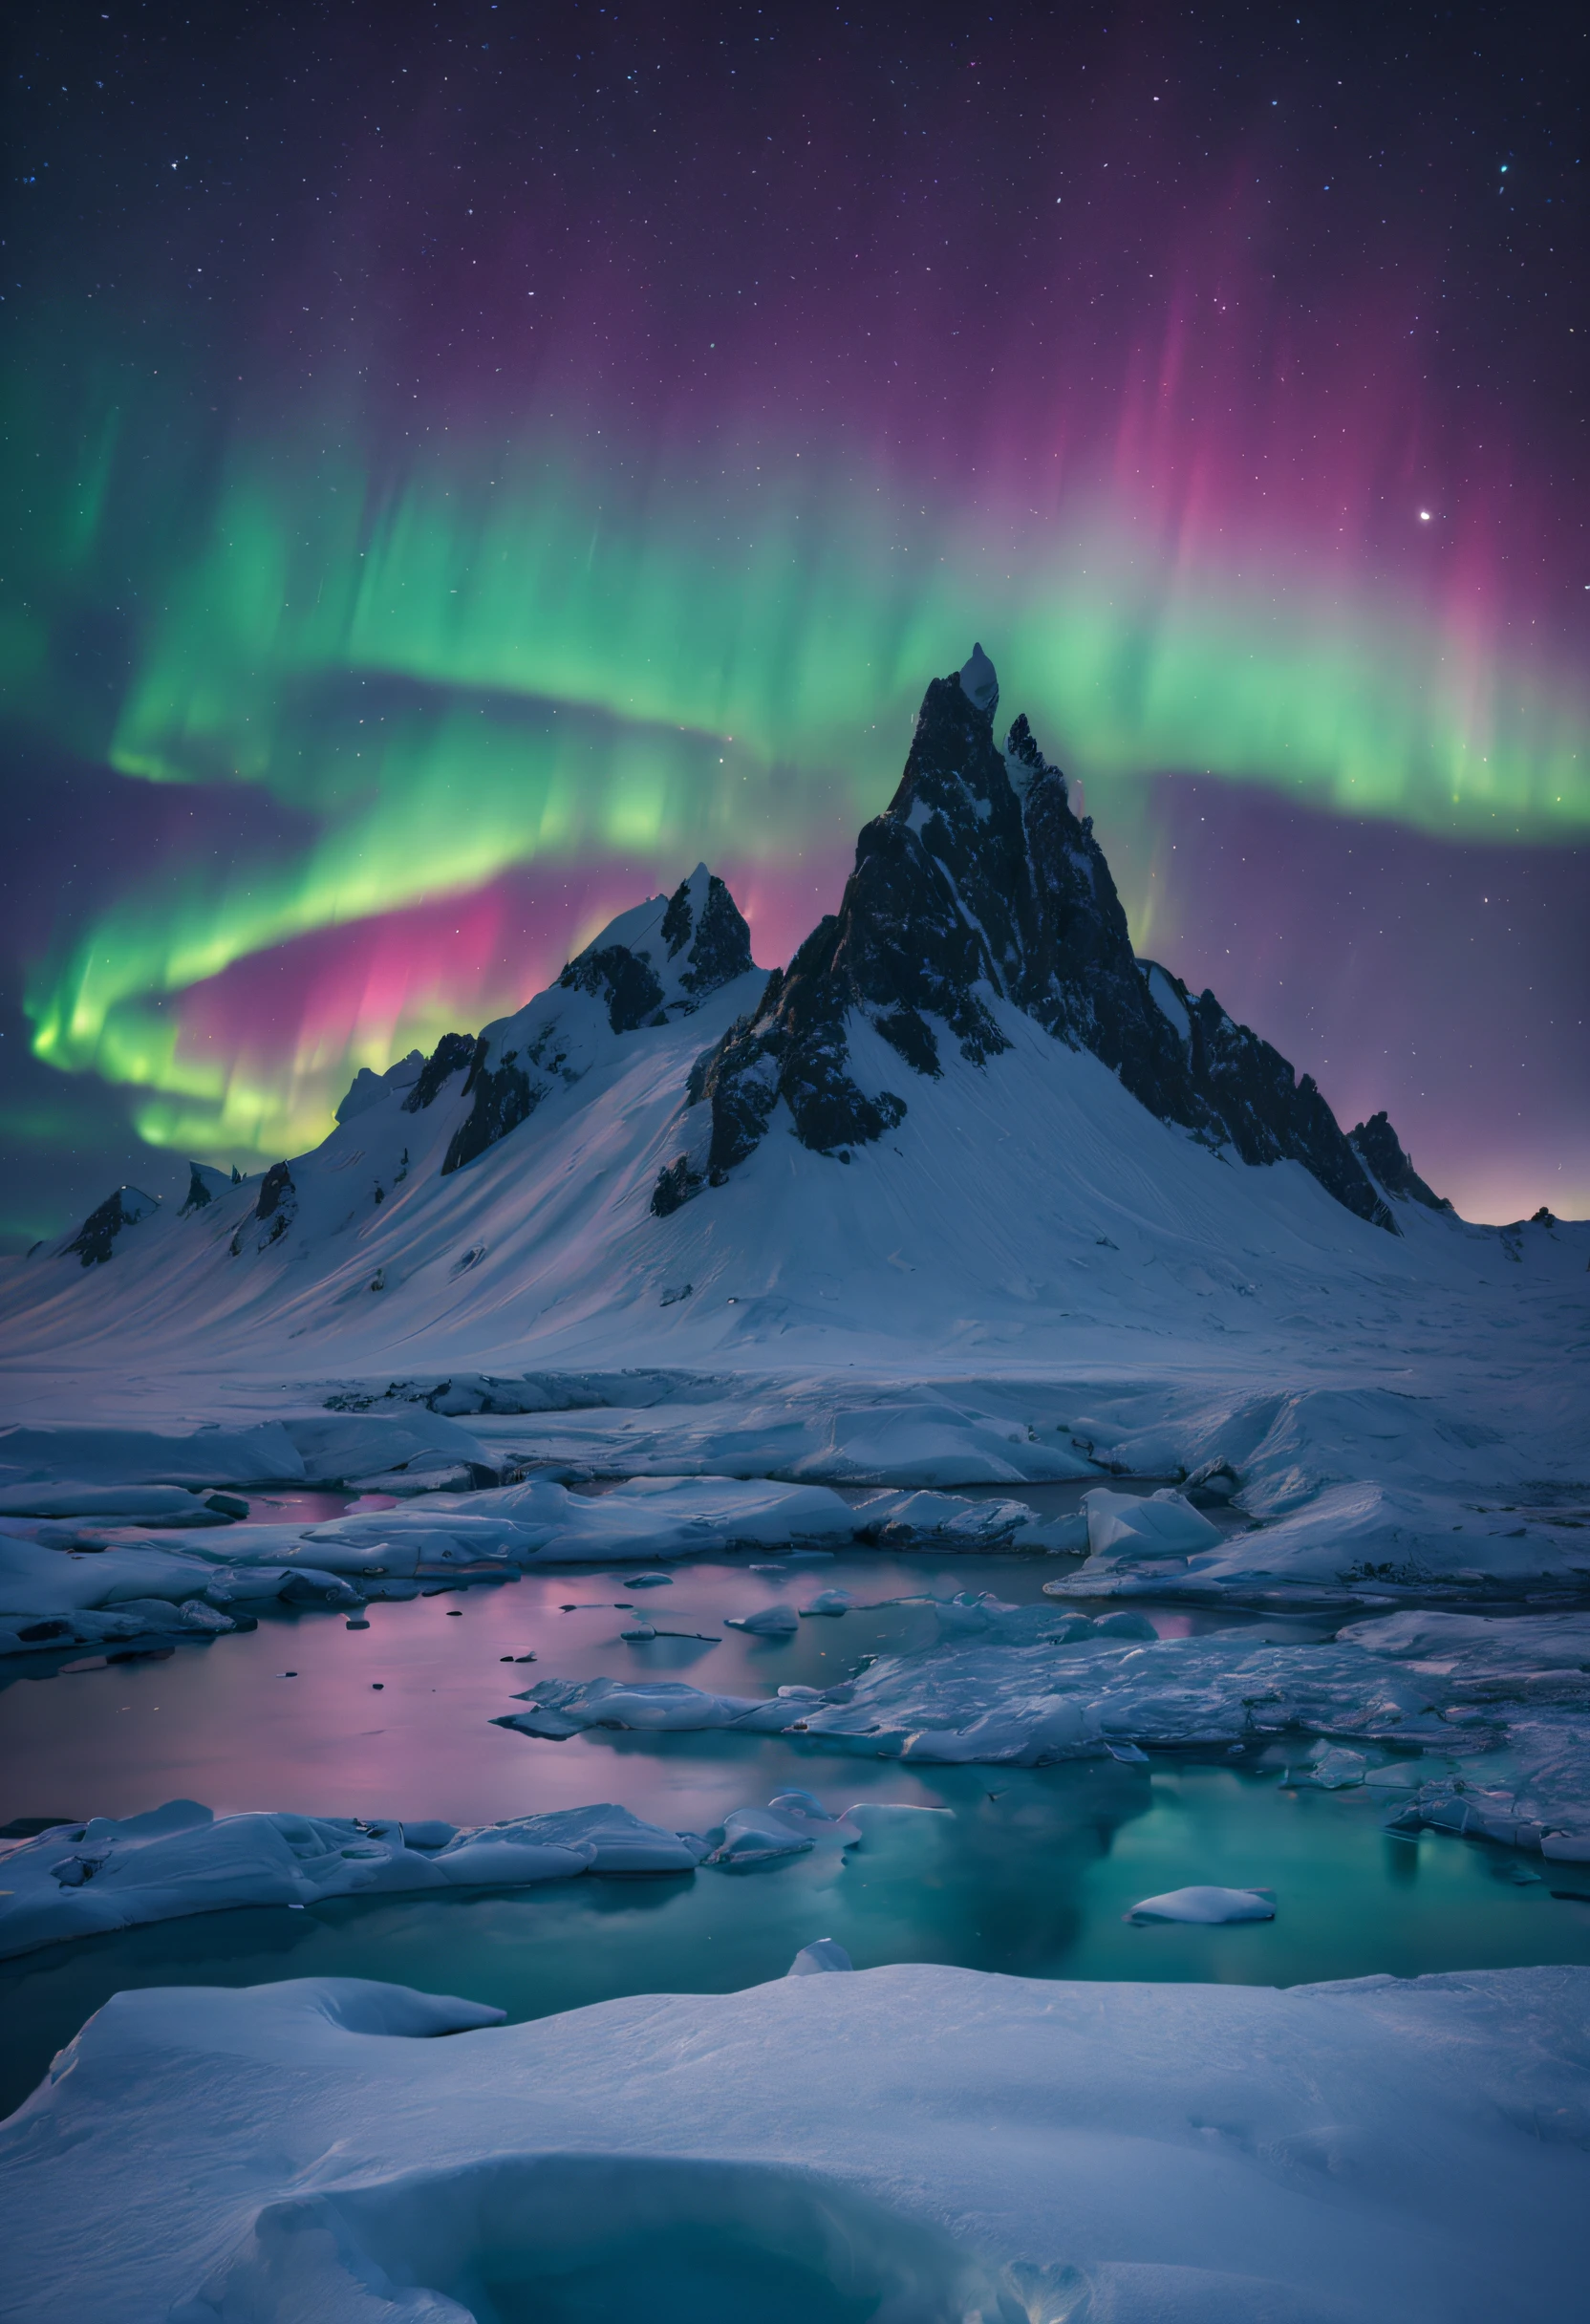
x=466, y=465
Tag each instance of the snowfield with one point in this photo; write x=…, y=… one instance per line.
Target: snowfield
x=913, y=2143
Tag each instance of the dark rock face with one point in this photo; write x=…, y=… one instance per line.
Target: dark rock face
x=718, y=937
x=628, y=984
x=701, y=943
x=502, y=1099
x=673, y=1188
x=278, y=1202
x=977, y=881
x=1379, y=1146
x=452, y=1053
x=197, y=1193
x=717, y=950
x=94, y=1239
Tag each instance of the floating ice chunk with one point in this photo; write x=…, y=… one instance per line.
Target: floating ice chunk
x=568, y=1707
x=1338, y=1771
x=830, y=1601
x=110, y=1504
x=806, y=1811
x=79, y=1878
x=772, y=1621
x=759, y=1835
x=792, y=1823
x=1163, y=1525
x=815, y=1960
x=1206, y=1907
x=941, y=1520
x=649, y=1581
x=1058, y=1536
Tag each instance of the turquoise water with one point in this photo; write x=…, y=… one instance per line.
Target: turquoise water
x=1029, y=1873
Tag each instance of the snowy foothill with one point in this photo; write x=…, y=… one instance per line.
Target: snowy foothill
x=83, y=1880
x=911, y=2142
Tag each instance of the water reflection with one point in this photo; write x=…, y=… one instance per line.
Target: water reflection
x=1029, y=1876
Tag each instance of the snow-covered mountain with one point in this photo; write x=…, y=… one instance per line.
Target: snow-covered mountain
x=965, y=1127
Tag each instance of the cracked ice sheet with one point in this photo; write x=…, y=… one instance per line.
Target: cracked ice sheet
x=1070, y=1695
x=1330, y=2155
x=1029, y=1685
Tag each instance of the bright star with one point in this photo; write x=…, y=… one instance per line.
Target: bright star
x=1424, y=516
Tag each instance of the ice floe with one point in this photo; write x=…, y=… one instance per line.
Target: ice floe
x=85, y=1878
x=1045, y=1686
x=1327, y=2155
x=1205, y=1907
x=823, y=1955
x=340, y=1561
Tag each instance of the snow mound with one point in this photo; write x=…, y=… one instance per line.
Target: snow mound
x=1328, y=2155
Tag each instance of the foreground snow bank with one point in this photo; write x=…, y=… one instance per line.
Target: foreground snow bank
x=889, y=2142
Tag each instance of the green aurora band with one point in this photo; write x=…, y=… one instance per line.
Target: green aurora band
x=513, y=661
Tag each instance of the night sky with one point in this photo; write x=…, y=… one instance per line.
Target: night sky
x=464, y=464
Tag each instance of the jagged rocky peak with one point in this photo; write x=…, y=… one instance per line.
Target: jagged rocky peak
x=979, y=684
x=94, y=1239
x=978, y=884
x=653, y=964
x=203, y=1184
x=1378, y=1146
x=662, y=959
x=368, y=1088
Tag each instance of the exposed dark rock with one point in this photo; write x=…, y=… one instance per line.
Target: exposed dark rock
x=1378, y=1144
x=94, y=1239
x=675, y=1185
x=676, y=958
x=502, y=1100
x=979, y=881
x=278, y=1192
x=452, y=1053
x=627, y=983
x=721, y=947
x=198, y=1195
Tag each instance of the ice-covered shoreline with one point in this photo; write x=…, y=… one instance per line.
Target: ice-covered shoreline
x=922, y=2141
x=91, y=1878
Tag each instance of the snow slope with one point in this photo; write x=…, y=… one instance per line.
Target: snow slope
x=1019, y=1265
x=922, y=2145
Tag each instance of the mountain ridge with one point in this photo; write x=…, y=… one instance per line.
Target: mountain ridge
x=976, y=892
x=977, y=879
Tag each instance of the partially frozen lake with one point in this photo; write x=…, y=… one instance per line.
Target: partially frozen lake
x=1030, y=1873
